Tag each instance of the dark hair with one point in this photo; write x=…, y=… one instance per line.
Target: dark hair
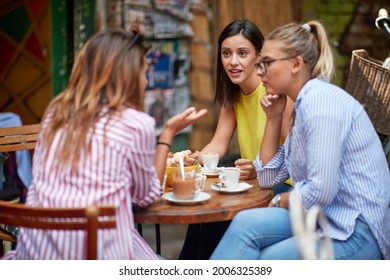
x=226, y=91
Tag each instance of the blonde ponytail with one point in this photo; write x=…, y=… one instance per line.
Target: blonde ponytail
x=325, y=63
x=311, y=43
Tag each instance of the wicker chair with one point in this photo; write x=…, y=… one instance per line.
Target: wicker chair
x=369, y=83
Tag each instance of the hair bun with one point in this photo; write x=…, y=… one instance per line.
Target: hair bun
x=306, y=26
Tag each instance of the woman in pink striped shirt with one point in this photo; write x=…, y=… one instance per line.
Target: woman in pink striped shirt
x=97, y=147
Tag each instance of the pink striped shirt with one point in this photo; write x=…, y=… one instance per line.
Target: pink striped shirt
x=118, y=172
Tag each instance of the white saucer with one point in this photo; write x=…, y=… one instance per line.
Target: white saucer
x=199, y=197
x=211, y=174
x=239, y=188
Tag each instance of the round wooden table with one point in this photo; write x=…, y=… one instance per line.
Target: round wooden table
x=220, y=207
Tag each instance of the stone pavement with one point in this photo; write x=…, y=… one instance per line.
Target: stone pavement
x=172, y=238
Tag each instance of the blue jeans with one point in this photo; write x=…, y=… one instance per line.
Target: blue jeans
x=281, y=188
x=265, y=233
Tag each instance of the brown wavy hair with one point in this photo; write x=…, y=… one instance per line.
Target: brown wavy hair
x=104, y=80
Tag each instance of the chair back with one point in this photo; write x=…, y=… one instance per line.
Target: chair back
x=13, y=139
x=89, y=218
x=304, y=225
x=369, y=82
x=19, y=137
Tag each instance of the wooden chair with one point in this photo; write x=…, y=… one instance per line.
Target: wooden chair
x=14, y=139
x=86, y=219
x=19, y=137
x=5, y=236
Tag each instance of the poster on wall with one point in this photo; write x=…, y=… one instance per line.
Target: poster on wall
x=155, y=23
x=181, y=67
x=166, y=27
x=158, y=104
x=164, y=103
x=167, y=91
x=168, y=65
x=181, y=101
x=160, y=61
x=113, y=16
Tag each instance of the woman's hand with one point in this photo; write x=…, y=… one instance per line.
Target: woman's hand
x=180, y=121
x=171, y=128
x=247, y=168
x=273, y=105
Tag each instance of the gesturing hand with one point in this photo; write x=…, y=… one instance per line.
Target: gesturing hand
x=184, y=119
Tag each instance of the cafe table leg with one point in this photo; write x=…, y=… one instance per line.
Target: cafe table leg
x=139, y=228
x=158, y=239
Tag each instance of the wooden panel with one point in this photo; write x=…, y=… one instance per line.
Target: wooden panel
x=24, y=84
x=200, y=55
x=267, y=14
x=200, y=137
x=22, y=76
x=201, y=29
x=201, y=78
x=38, y=101
x=201, y=86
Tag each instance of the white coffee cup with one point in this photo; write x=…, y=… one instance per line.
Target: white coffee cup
x=210, y=161
x=230, y=177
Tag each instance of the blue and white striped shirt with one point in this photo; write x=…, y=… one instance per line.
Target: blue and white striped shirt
x=336, y=161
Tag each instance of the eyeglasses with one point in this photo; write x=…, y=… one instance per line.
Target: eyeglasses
x=263, y=64
x=137, y=36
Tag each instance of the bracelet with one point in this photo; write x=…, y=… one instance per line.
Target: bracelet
x=276, y=200
x=163, y=143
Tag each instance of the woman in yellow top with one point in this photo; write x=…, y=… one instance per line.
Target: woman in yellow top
x=238, y=92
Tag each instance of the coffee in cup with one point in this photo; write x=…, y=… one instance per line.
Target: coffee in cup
x=230, y=177
x=187, y=186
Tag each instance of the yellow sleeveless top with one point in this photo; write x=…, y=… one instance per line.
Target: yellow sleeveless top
x=251, y=119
